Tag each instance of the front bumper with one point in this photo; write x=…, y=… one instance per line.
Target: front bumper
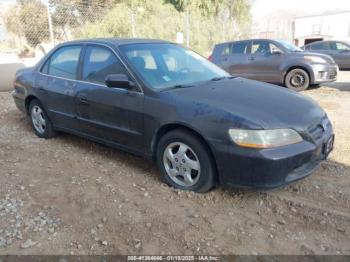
x=268, y=168
x=323, y=73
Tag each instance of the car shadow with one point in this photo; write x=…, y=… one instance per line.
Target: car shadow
x=111, y=154
x=343, y=81
x=341, y=86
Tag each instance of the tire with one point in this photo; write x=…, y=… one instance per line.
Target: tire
x=183, y=155
x=40, y=121
x=297, y=79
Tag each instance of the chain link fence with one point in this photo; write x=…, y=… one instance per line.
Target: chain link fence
x=32, y=27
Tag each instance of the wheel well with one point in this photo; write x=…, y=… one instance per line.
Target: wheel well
x=296, y=67
x=27, y=102
x=171, y=127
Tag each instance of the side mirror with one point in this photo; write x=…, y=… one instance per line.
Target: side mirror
x=119, y=81
x=277, y=52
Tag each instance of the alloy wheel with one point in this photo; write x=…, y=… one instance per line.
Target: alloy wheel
x=181, y=164
x=38, y=119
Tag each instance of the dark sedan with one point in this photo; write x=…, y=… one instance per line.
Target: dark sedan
x=159, y=100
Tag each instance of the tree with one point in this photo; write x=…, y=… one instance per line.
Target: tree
x=28, y=19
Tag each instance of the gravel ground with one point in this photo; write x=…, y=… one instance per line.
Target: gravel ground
x=67, y=195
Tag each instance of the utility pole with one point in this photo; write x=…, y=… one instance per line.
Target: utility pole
x=133, y=30
x=187, y=25
x=50, y=22
x=133, y=24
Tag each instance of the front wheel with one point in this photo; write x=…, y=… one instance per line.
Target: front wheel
x=297, y=79
x=185, y=162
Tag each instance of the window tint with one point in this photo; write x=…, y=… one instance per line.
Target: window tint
x=319, y=46
x=239, y=48
x=64, y=62
x=100, y=62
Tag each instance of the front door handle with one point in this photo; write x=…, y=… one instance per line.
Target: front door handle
x=251, y=58
x=83, y=99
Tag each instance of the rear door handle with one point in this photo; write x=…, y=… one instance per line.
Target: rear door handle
x=83, y=99
x=251, y=58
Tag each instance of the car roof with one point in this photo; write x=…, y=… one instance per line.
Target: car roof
x=329, y=41
x=115, y=41
x=244, y=40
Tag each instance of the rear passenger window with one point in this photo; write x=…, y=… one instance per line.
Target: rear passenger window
x=319, y=46
x=226, y=50
x=64, y=62
x=239, y=48
x=100, y=62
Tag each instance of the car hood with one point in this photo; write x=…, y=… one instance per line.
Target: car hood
x=328, y=58
x=252, y=104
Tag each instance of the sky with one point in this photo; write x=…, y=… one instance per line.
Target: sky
x=264, y=7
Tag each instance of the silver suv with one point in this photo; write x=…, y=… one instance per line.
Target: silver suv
x=275, y=61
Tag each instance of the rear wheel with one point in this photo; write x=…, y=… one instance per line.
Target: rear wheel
x=185, y=162
x=297, y=79
x=41, y=123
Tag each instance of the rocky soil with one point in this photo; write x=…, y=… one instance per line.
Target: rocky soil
x=67, y=195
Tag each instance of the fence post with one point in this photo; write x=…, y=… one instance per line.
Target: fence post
x=187, y=25
x=50, y=22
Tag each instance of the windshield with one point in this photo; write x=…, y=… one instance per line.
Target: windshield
x=165, y=66
x=289, y=46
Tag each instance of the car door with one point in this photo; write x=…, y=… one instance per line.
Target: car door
x=114, y=115
x=340, y=53
x=264, y=61
x=234, y=58
x=56, y=85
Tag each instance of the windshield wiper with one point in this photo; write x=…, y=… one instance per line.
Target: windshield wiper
x=218, y=78
x=180, y=86
x=222, y=78
x=176, y=87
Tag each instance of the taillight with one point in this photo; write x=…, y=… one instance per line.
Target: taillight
x=210, y=58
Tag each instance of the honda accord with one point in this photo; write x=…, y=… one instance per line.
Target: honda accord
x=161, y=101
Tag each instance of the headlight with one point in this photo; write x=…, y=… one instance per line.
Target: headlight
x=264, y=138
x=315, y=59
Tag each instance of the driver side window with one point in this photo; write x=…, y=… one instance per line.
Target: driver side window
x=260, y=48
x=99, y=62
x=340, y=47
x=264, y=48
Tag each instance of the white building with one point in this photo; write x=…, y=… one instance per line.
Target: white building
x=275, y=25
x=330, y=25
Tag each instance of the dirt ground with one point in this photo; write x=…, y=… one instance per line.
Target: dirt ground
x=67, y=195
